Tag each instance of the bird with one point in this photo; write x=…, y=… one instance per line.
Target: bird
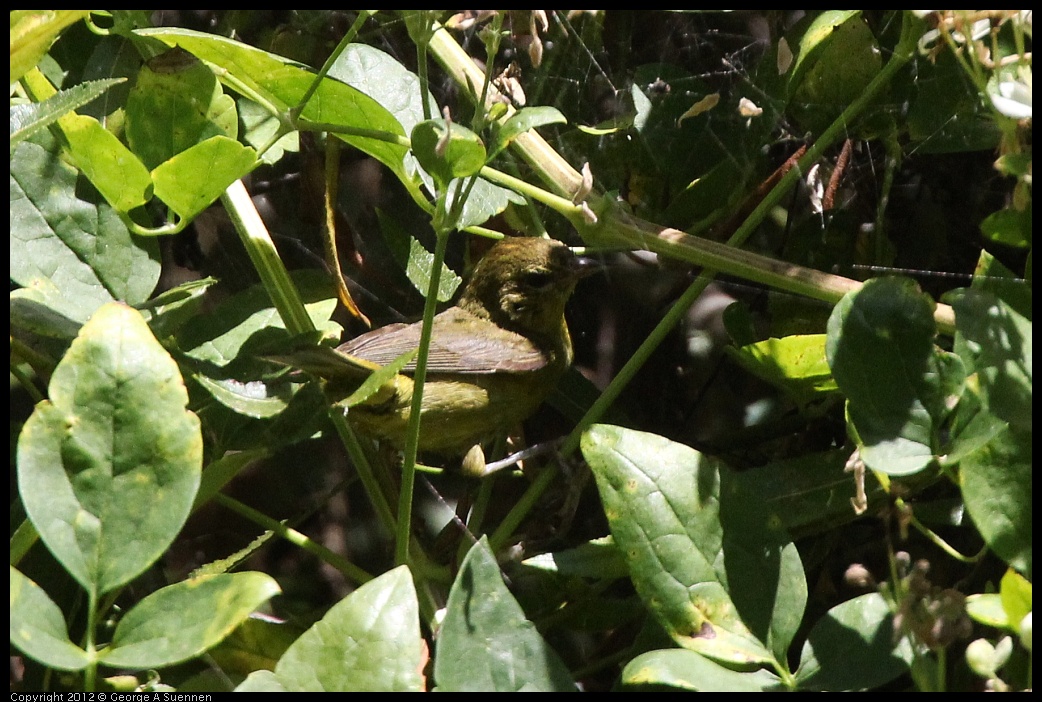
x=494, y=356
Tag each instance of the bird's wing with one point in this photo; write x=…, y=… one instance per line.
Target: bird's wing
x=460, y=343
x=326, y=362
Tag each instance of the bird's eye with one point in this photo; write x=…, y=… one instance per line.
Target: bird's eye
x=537, y=280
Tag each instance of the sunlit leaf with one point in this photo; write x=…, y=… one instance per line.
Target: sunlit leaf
x=369, y=641
x=108, y=467
x=68, y=253
x=859, y=630
x=880, y=349
x=38, y=627
x=183, y=620
x=707, y=557
x=486, y=643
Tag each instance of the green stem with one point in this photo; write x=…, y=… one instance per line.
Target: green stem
x=903, y=52
x=246, y=90
x=561, y=205
x=347, y=39
x=419, y=377
x=266, y=259
x=941, y=679
x=548, y=164
x=26, y=382
x=676, y=313
x=349, y=569
x=485, y=232
x=364, y=469
x=290, y=307
x=493, y=38
x=420, y=25
x=167, y=229
x=620, y=228
x=934, y=538
x=421, y=73
x=91, y=672
x=378, y=135
x=477, y=515
x=503, y=533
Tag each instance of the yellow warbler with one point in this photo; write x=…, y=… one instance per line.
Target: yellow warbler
x=494, y=357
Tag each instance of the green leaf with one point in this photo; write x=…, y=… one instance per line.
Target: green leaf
x=193, y=179
x=168, y=311
x=258, y=642
x=996, y=486
x=175, y=104
x=998, y=343
x=367, y=91
x=255, y=398
x=109, y=466
x=599, y=558
x=261, y=681
x=260, y=126
x=419, y=266
x=796, y=364
x=708, y=558
x=946, y=113
x=610, y=126
x=816, y=36
x=304, y=415
x=811, y=493
x=28, y=119
x=714, y=193
x=69, y=254
x=447, y=150
x=368, y=642
x=991, y=276
x=852, y=648
x=1015, y=591
x=247, y=324
x=1008, y=227
x=219, y=472
x=414, y=259
x=38, y=627
x=33, y=31
x=110, y=166
x=523, y=120
x=838, y=58
x=1005, y=609
x=33, y=309
x=987, y=609
x=283, y=83
x=383, y=78
x=972, y=426
x=880, y=349
x=378, y=379
x=485, y=642
x=484, y=201
x=183, y=620
x=688, y=670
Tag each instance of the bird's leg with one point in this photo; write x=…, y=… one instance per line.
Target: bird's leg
x=514, y=458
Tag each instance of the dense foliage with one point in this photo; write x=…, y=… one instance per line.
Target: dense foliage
x=794, y=451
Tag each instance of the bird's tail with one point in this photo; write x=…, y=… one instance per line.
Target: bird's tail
x=354, y=379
